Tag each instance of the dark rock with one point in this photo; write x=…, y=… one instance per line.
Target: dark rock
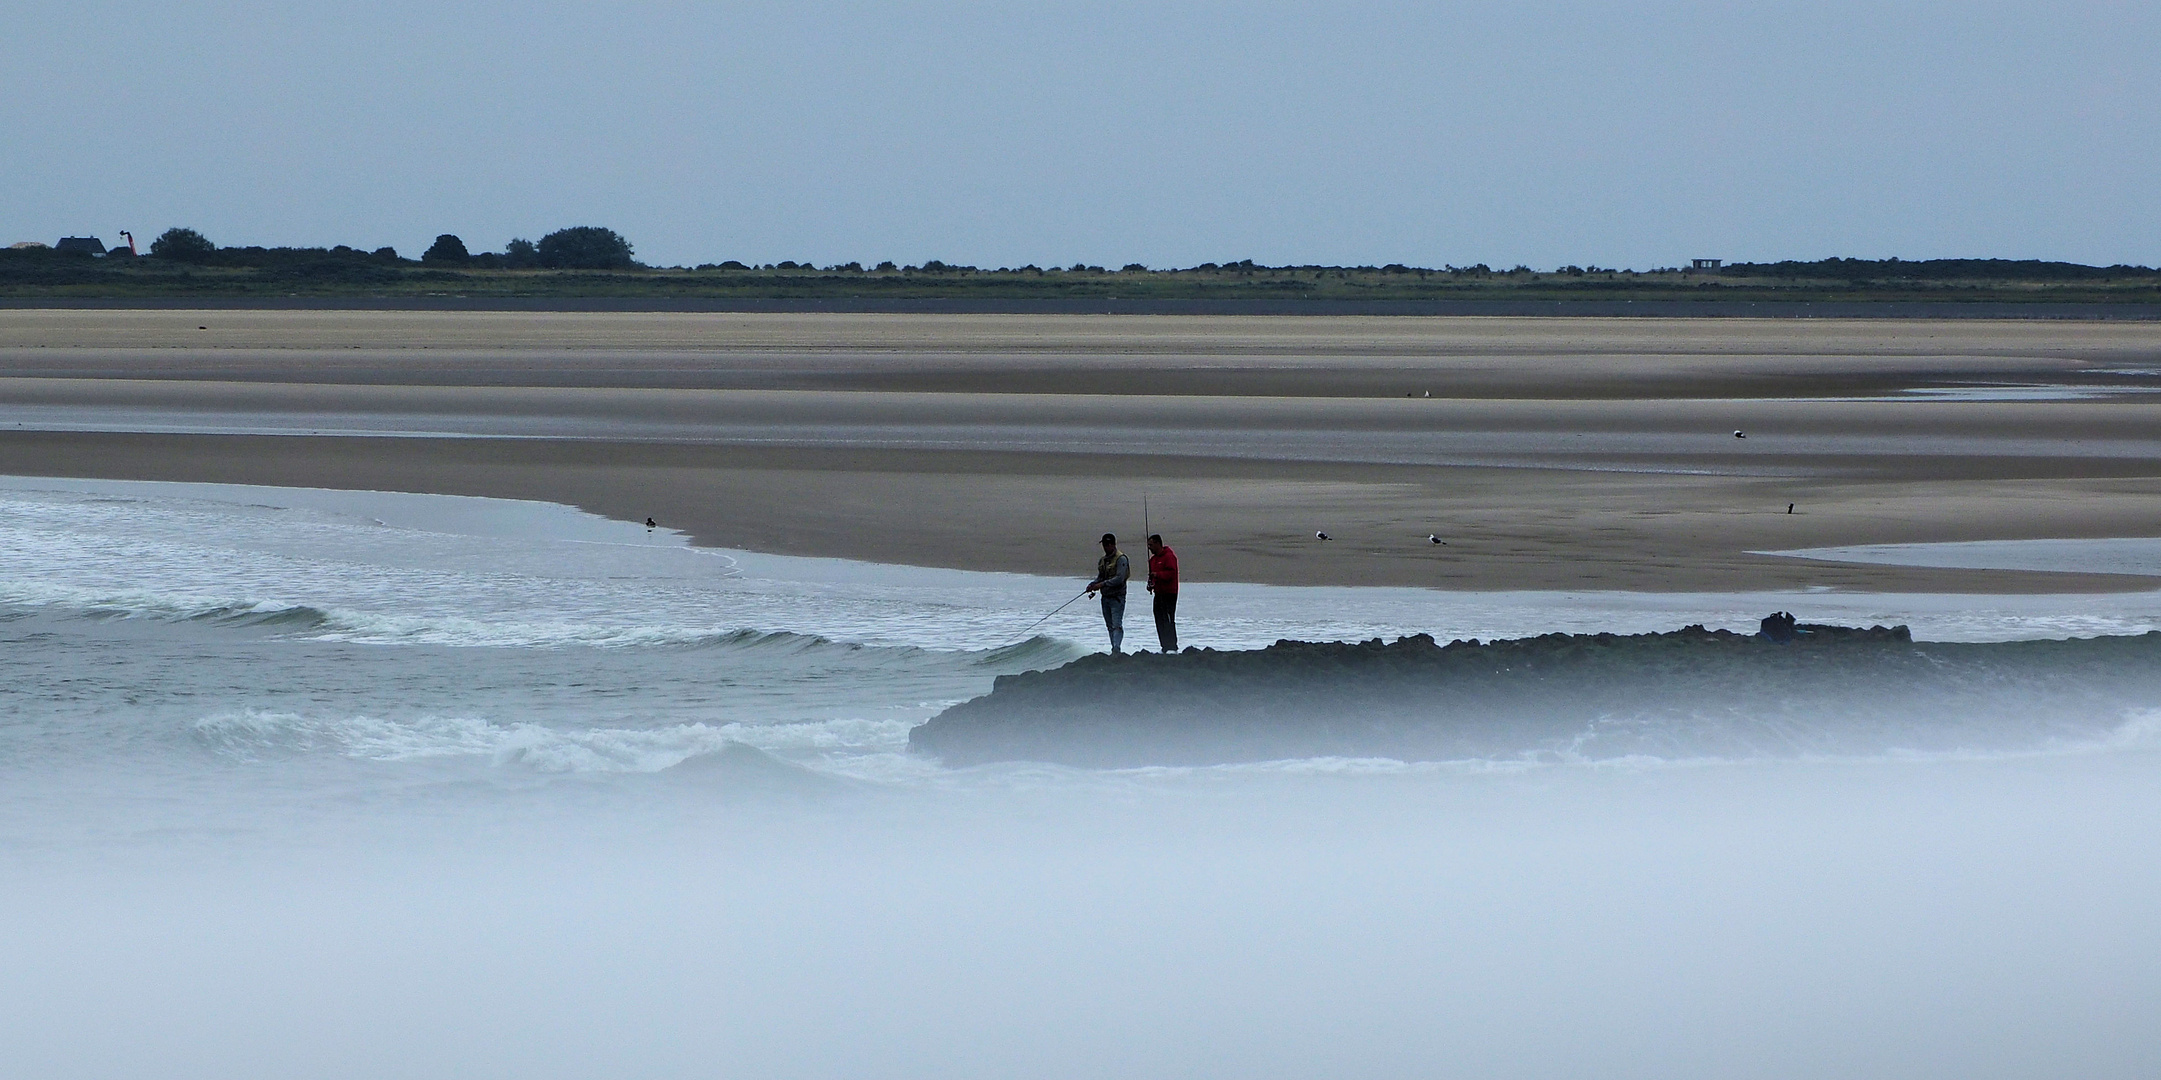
x=1793, y=689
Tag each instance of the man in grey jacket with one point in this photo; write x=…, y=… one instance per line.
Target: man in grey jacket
x=1111, y=573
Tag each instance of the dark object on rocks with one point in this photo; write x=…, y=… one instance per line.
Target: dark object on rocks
x=1689, y=693
x=1782, y=627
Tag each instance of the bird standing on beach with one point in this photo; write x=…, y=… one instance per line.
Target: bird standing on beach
x=1321, y=536
x=1739, y=435
x=1432, y=538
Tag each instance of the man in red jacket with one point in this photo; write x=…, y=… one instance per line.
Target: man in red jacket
x=1163, y=582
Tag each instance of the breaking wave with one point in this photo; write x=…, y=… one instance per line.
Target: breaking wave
x=355, y=626
x=259, y=735
x=1034, y=652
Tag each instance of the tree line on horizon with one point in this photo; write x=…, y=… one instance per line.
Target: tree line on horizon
x=592, y=247
x=583, y=247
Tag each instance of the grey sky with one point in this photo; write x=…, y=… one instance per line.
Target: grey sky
x=1628, y=134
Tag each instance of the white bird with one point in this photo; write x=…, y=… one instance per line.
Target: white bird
x=1432, y=539
x=1320, y=536
x=1739, y=435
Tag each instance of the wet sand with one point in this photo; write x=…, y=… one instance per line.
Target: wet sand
x=1551, y=454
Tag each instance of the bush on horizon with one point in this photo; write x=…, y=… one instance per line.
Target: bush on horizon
x=446, y=249
x=182, y=245
x=585, y=247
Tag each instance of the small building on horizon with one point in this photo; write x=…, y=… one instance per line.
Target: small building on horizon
x=1707, y=264
x=87, y=245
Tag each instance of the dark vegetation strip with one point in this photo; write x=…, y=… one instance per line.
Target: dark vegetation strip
x=573, y=268
x=1755, y=309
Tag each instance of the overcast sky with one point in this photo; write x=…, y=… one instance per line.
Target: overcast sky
x=1615, y=134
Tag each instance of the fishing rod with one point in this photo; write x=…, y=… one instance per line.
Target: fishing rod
x=1031, y=626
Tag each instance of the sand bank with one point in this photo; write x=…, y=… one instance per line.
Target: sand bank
x=1552, y=454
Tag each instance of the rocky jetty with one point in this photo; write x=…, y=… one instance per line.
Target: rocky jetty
x=1793, y=690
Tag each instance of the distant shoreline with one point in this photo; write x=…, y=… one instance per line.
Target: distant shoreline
x=1662, y=309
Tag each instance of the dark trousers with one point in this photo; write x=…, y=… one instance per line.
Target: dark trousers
x=1166, y=620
